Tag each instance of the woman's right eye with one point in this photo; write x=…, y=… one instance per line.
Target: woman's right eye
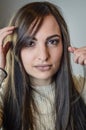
x=31, y=44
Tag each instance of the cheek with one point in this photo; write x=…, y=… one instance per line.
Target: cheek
x=57, y=56
x=26, y=57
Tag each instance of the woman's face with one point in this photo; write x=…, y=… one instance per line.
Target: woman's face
x=41, y=58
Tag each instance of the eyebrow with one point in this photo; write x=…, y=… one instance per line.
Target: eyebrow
x=55, y=35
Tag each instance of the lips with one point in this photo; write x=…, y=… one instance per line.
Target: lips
x=43, y=67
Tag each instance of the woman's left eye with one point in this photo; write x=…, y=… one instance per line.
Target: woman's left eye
x=53, y=41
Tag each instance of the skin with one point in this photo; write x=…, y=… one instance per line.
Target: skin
x=4, y=32
x=41, y=59
x=79, y=53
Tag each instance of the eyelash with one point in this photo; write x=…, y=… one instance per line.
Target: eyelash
x=30, y=44
x=53, y=41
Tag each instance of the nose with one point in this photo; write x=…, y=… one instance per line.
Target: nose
x=43, y=53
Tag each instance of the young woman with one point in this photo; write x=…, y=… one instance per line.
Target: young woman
x=39, y=92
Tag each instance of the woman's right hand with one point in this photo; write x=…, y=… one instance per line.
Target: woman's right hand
x=4, y=32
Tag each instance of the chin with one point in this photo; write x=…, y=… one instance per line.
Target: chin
x=43, y=77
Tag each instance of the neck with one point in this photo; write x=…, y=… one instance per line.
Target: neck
x=40, y=82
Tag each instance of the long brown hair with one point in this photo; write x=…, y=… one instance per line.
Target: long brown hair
x=18, y=103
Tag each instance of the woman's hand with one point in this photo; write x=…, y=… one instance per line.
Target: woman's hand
x=79, y=54
x=4, y=32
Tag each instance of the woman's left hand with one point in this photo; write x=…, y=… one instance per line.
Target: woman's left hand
x=79, y=54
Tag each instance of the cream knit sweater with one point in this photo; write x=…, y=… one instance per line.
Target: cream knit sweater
x=44, y=98
x=45, y=102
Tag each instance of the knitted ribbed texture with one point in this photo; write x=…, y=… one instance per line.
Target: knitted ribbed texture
x=45, y=102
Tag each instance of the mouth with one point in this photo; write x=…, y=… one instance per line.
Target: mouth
x=43, y=67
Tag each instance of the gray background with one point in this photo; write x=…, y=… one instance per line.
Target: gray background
x=74, y=12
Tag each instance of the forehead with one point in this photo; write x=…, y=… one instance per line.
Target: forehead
x=49, y=26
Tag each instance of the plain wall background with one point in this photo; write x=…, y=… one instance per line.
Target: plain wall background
x=74, y=12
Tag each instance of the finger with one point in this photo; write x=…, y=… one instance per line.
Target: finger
x=85, y=62
x=80, y=53
x=80, y=58
x=7, y=47
x=80, y=61
x=71, y=49
x=3, y=36
x=7, y=29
